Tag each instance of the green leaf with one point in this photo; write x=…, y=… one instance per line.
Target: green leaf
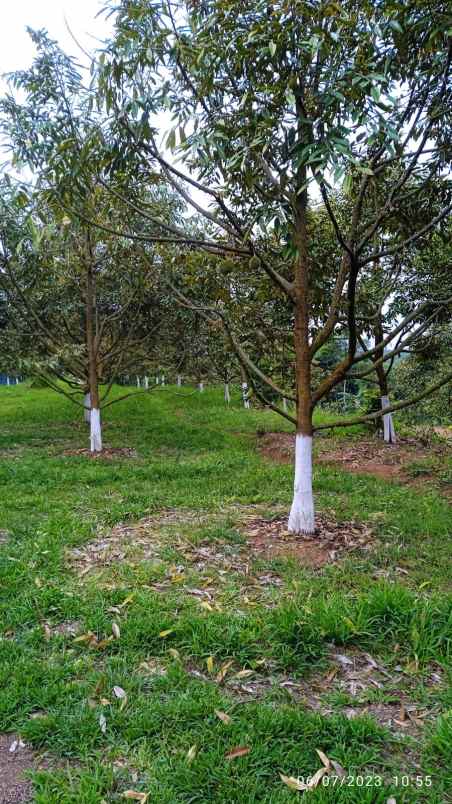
x=171, y=140
x=396, y=26
x=347, y=184
x=272, y=48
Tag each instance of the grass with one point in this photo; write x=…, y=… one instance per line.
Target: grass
x=200, y=460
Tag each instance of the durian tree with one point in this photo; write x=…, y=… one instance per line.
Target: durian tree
x=276, y=105
x=82, y=308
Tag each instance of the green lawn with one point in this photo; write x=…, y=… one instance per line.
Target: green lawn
x=196, y=476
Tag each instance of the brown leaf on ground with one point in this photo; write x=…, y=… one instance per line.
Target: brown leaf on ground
x=330, y=541
x=223, y=717
x=293, y=783
x=223, y=671
x=323, y=758
x=191, y=753
x=238, y=751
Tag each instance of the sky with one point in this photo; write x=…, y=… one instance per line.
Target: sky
x=16, y=49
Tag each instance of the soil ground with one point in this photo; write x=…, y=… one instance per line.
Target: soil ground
x=369, y=456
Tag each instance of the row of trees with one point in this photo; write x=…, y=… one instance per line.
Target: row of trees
x=300, y=200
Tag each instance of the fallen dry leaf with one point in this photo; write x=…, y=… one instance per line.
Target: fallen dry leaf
x=135, y=795
x=115, y=630
x=126, y=601
x=191, y=753
x=316, y=778
x=292, y=782
x=102, y=644
x=47, y=632
x=119, y=692
x=297, y=784
x=238, y=751
x=174, y=653
x=323, y=758
x=223, y=716
x=166, y=633
x=16, y=745
x=224, y=669
x=85, y=637
x=209, y=664
x=103, y=724
x=244, y=673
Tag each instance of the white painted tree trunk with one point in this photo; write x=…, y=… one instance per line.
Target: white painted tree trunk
x=246, y=401
x=388, y=424
x=138, y=382
x=201, y=387
x=163, y=379
x=301, y=517
x=284, y=404
x=179, y=380
x=95, y=431
x=156, y=380
x=17, y=380
x=146, y=383
x=87, y=407
x=8, y=381
x=227, y=395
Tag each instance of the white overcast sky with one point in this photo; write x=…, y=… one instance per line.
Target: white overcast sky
x=16, y=49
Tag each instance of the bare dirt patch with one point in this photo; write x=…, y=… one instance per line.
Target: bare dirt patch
x=68, y=628
x=277, y=447
x=132, y=543
x=217, y=559
x=16, y=760
x=444, y=432
x=107, y=454
x=368, y=456
x=329, y=542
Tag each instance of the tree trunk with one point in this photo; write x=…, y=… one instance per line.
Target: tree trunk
x=227, y=395
x=388, y=424
x=301, y=517
x=146, y=383
x=91, y=345
x=87, y=406
x=201, y=387
x=246, y=401
x=179, y=380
